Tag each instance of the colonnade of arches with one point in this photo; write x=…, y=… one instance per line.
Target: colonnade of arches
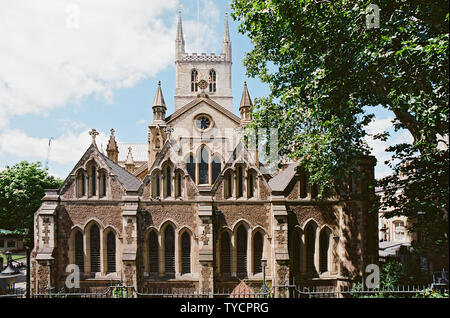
x=94, y=249
x=91, y=181
x=311, y=249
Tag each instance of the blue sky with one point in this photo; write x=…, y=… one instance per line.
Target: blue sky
x=69, y=66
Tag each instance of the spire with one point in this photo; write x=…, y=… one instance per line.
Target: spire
x=159, y=105
x=129, y=164
x=112, y=150
x=179, y=42
x=245, y=106
x=226, y=44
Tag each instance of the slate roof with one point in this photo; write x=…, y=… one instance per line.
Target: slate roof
x=282, y=179
x=129, y=182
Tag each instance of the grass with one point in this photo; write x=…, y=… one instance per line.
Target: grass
x=14, y=256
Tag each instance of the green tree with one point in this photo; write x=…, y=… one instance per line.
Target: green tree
x=22, y=187
x=326, y=70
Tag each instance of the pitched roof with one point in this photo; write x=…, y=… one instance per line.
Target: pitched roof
x=129, y=182
x=282, y=179
x=197, y=101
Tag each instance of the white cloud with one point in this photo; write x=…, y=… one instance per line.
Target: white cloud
x=379, y=147
x=66, y=149
x=48, y=60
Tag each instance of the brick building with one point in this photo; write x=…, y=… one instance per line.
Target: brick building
x=198, y=208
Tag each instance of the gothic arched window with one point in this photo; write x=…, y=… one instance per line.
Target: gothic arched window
x=102, y=189
x=179, y=185
x=185, y=253
x=324, y=243
x=168, y=182
x=251, y=184
x=153, y=253
x=241, y=251
x=216, y=168
x=203, y=166
x=95, y=248
x=212, y=81
x=225, y=253
x=93, y=181
x=81, y=185
x=240, y=181
x=257, y=252
x=190, y=167
x=79, y=253
x=228, y=185
x=310, y=242
x=169, y=250
x=111, y=252
x=194, y=80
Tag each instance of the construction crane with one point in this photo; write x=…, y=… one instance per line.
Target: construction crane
x=48, y=151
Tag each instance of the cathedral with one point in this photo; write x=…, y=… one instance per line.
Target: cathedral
x=197, y=206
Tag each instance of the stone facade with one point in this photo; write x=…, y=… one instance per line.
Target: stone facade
x=202, y=212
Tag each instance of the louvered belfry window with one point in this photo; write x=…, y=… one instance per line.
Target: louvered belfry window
x=169, y=250
x=79, y=254
x=241, y=251
x=185, y=253
x=111, y=252
x=324, y=244
x=95, y=248
x=257, y=252
x=153, y=253
x=225, y=254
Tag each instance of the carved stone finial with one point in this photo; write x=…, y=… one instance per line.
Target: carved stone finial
x=94, y=133
x=112, y=131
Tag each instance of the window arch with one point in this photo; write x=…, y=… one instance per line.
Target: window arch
x=79, y=251
x=310, y=244
x=153, y=253
x=190, y=167
x=102, y=179
x=225, y=253
x=178, y=185
x=241, y=251
x=194, y=80
x=251, y=184
x=216, y=167
x=258, y=246
x=169, y=250
x=240, y=182
x=212, y=81
x=228, y=184
x=168, y=182
x=324, y=243
x=111, y=252
x=203, y=166
x=94, y=242
x=81, y=184
x=185, y=253
x=93, y=180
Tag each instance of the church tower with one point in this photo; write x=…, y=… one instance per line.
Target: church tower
x=157, y=129
x=190, y=68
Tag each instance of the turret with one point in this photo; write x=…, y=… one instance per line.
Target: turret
x=245, y=107
x=111, y=149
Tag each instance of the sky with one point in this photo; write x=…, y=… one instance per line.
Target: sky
x=67, y=66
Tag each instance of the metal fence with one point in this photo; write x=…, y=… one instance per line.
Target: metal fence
x=291, y=291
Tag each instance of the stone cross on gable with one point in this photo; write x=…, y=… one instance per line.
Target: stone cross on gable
x=93, y=133
x=112, y=131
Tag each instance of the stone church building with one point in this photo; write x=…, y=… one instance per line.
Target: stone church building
x=195, y=207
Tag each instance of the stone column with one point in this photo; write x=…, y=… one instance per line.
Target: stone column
x=280, y=271
x=130, y=241
x=46, y=242
x=205, y=213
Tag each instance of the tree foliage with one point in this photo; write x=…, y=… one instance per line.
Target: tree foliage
x=325, y=68
x=22, y=187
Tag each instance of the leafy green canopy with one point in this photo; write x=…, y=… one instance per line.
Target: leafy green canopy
x=22, y=187
x=324, y=67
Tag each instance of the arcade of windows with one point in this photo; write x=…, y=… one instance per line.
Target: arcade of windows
x=239, y=253
x=311, y=256
x=91, y=182
x=93, y=250
x=212, y=83
x=168, y=251
x=240, y=183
